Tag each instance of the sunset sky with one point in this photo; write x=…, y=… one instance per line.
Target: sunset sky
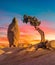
x=44, y=10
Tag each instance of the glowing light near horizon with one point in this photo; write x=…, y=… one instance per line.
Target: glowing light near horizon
x=50, y=37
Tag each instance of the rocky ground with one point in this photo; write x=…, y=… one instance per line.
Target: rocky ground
x=15, y=56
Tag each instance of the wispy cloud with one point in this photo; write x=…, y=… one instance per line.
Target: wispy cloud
x=28, y=30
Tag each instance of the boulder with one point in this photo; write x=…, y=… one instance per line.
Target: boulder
x=51, y=44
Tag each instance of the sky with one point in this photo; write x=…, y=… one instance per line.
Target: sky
x=44, y=10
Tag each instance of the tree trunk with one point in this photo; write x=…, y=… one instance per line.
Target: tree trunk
x=41, y=33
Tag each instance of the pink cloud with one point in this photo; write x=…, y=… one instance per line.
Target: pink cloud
x=28, y=30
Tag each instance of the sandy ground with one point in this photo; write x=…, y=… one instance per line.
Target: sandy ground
x=15, y=56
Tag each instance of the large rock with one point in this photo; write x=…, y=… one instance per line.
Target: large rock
x=13, y=33
x=51, y=44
